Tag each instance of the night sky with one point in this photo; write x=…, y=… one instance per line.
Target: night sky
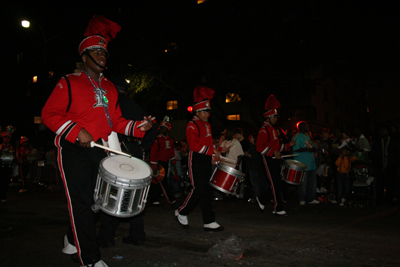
x=233, y=43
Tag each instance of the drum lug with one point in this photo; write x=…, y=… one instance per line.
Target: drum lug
x=96, y=205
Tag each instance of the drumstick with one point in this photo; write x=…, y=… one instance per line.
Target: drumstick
x=93, y=144
x=226, y=159
x=287, y=156
x=145, y=122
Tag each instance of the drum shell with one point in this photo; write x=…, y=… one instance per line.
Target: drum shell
x=7, y=158
x=121, y=196
x=225, y=178
x=293, y=172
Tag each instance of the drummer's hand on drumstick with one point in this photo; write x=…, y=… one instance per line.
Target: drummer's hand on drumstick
x=277, y=154
x=85, y=138
x=146, y=124
x=216, y=154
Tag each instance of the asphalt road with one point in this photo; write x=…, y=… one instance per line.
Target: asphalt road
x=33, y=224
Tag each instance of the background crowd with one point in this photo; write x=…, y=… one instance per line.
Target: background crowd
x=336, y=154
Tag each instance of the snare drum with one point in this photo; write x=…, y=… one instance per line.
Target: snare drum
x=226, y=178
x=7, y=158
x=293, y=171
x=122, y=186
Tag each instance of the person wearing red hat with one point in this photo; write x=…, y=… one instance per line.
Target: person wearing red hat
x=7, y=152
x=162, y=152
x=200, y=140
x=83, y=108
x=269, y=146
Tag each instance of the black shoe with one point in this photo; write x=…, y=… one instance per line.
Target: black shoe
x=130, y=240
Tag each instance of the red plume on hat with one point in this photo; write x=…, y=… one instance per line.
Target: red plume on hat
x=201, y=93
x=98, y=33
x=202, y=96
x=99, y=25
x=271, y=105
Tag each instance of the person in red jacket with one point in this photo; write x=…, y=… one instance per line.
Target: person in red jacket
x=162, y=153
x=269, y=146
x=83, y=108
x=199, y=137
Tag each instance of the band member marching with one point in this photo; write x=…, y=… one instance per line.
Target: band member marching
x=162, y=152
x=269, y=146
x=199, y=137
x=83, y=109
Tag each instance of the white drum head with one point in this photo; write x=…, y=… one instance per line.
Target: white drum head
x=127, y=168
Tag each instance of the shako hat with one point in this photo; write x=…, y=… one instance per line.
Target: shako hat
x=202, y=96
x=166, y=122
x=99, y=32
x=271, y=105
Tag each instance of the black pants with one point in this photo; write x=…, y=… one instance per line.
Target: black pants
x=156, y=189
x=79, y=168
x=109, y=225
x=5, y=177
x=273, y=169
x=201, y=192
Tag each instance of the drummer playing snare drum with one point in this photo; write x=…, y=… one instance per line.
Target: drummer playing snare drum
x=199, y=137
x=81, y=109
x=269, y=146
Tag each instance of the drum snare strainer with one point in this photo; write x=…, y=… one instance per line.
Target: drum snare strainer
x=122, y=186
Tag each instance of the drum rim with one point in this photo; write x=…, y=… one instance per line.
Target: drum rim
x=230, y=170
x=124, y=180
x=295, y=167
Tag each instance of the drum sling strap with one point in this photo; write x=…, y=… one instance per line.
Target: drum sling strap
x=70, y=94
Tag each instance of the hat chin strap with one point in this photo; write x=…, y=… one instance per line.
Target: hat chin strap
x=97, y=64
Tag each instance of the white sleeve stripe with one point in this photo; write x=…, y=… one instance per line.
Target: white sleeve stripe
x=265, y=150
x=61, y=129
x=202, y=149
x=128, y=127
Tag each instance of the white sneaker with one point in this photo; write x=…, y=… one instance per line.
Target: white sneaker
x=302, y=203
x=323, y=190
x=261, y=206
x=182, y=219
x=68, y=248
x=280, y=213
x=314, y=202
x=214, y=226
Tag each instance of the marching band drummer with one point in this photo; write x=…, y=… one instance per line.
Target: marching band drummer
x=269, y=146
x=199, y=137
x=81, y=109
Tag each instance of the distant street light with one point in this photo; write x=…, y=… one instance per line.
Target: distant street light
x=25, y=23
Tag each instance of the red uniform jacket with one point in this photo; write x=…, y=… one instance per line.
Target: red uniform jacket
x=163, y=149
x=268, y=141
x=86, y=110
x=199, y=137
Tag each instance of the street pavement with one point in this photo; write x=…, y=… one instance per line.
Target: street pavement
x=33, y=224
